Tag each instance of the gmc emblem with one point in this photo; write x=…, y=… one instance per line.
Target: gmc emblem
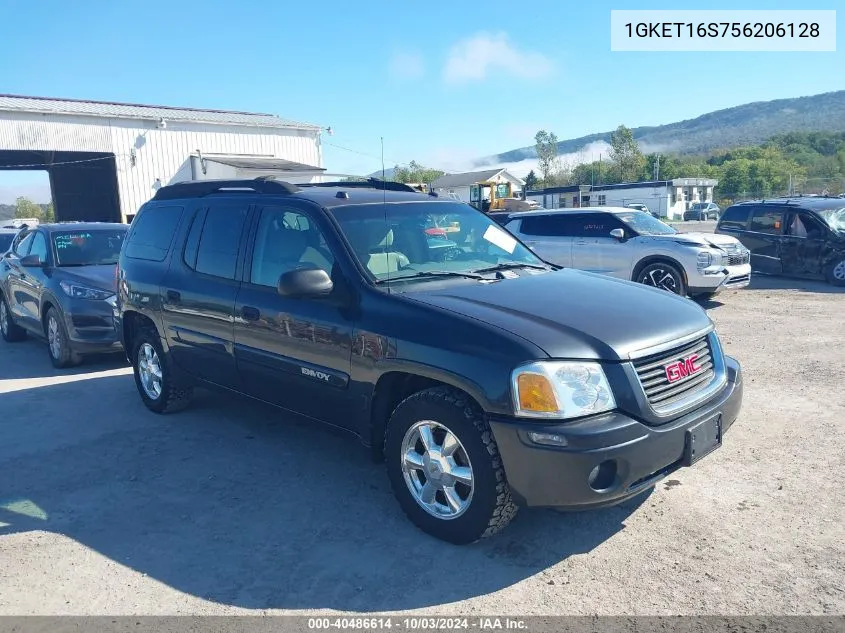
x=682, y=368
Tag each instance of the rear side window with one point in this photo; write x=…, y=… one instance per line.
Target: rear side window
x=549, y=225
x=152, y=232
x=735, y=218
x=767, y=220
x=217, y=253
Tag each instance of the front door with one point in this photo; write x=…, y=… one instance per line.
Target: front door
x=292, y=352
x=595, y=250
x=803, y=244
x=199, y=291
x=763, y=238
x=30, y=283
x=18, y=285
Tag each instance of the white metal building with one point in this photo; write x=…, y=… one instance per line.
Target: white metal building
x=669, y=198
x=106, y=159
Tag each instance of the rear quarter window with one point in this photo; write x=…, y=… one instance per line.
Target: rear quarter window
x=152, y=232
x=734, y=218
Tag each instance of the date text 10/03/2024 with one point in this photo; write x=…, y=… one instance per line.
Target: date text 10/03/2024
x=422, y=623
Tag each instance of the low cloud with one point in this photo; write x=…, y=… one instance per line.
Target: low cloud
x=483, y=54
x=407, y=65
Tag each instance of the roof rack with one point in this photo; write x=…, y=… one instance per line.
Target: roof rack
x=200, y=188
x=369, y=183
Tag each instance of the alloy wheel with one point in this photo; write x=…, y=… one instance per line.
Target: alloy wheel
x=437, y=470
x=149, y=370
x=54, y=337
x=660, y=277
x=4, y=318
x=839, y=271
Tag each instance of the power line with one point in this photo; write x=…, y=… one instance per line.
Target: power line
x=67, y=162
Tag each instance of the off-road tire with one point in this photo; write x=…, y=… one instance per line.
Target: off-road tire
x=491, y=508
x=65, y=356
x=174, y=396
x=13, y=332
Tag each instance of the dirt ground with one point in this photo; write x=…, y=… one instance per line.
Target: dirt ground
x=106, y=508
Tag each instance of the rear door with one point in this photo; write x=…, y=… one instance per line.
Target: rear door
x=595, y=250
x=764, y=236
x=803, y=244
x=13, y=273
x=550, y=236
x=199, y=291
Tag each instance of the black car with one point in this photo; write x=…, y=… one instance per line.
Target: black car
x=702, y=211
x=802, y=237
x=486, y=380
x=58, y=283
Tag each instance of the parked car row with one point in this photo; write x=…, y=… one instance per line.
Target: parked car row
x=484, y=376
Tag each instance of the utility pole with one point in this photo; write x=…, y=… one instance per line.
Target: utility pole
x=657, y=168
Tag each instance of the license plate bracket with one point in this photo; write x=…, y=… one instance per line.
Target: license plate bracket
x=702, y=439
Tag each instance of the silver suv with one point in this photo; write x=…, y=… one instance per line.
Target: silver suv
x=630, y=244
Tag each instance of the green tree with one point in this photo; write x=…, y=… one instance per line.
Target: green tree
x=531, y=180
x=416, y=172
x=625, y=153
x=545, y=143
x=26, y=208
x=49, y=213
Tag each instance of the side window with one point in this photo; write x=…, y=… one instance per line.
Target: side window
x=217, y=252
x=286, y=240
x=22, y=249
x=39, y=247
x=152, y=232
x=561, y=225
x=735, y=218
x=597, y=225
x=767, y=220
x=192, y=243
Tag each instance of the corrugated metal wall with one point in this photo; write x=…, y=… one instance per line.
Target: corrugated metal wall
x=144, y=153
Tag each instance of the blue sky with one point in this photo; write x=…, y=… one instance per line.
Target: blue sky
x=442, y=82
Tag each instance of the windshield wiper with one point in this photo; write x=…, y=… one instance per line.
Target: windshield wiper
x=432, y=273
x=492, y=269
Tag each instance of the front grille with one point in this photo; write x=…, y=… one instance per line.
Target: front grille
x=738, y=259
x=653, y=375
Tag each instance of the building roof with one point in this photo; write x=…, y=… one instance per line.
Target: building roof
x=649, y=184
x=260, y=162
x=49, y=105
x=470, y=177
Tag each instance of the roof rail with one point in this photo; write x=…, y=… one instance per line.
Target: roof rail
x=200, y=188
x=369, y=183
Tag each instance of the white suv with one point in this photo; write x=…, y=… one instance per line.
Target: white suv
x=634, y=245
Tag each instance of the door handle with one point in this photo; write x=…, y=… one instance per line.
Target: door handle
x=174, y=296
x=250, y=313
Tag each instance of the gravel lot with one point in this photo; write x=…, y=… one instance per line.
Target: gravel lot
x=106, y=508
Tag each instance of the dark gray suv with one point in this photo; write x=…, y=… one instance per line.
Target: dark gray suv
x=57, y=283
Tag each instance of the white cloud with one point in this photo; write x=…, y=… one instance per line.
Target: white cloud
x=407, y=65
x=473, y=58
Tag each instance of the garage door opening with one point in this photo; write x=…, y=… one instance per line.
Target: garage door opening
x=83, y=185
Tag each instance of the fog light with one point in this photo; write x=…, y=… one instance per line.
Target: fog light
x=550, y=439
x=603, y=476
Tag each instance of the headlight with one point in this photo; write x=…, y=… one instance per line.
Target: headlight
x=706, y=259
x=78, y=291
x=560, y=389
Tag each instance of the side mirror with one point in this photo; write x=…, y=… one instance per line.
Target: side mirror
x=619, y=234
x=305, y=282
x=32, y=261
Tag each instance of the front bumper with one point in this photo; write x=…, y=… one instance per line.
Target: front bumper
x=641, y=455
x=92, y=326
x=725, y=278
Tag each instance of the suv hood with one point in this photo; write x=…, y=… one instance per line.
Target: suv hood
x=574, y=314
x=701, y=239
x=100, y=277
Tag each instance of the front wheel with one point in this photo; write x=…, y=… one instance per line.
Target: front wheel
x=445, y=469
x=58, y=342
x=836, y=272
x=663, y=276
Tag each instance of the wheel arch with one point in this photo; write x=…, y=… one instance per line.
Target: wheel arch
x=396, y=384
x=130, y=322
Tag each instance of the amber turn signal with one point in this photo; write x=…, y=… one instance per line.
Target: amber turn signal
x=536, y=393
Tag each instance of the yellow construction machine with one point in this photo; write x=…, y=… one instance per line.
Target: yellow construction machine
x=489, y=195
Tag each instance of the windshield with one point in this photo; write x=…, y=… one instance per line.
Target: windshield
x=835, y=218
x=699, y=205
x=645, y=223
x=6, y=241
x=403, y=240
x=87, y=247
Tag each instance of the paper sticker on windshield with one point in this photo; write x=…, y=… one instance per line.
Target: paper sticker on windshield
x=499, y=238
